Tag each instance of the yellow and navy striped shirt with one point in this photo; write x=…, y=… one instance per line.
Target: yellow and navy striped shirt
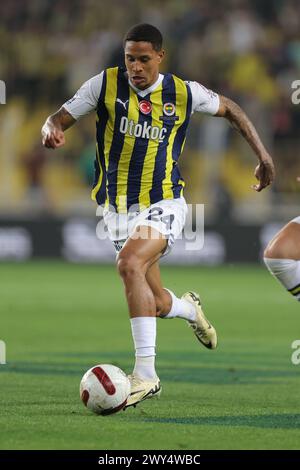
x=139, y=141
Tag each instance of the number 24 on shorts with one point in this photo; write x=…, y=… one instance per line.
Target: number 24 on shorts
x=155, y=214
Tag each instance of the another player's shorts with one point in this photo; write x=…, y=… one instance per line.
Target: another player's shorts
x=166, y=216
x=296, y=220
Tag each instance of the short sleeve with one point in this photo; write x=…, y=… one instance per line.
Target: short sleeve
x=203, y=100
x=86, y=98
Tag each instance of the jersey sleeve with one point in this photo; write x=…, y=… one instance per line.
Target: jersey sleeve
x=86, y=98
x=203, y=100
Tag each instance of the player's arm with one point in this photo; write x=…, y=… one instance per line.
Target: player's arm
x=54, y=127
x=264, y=172
x=83, y=102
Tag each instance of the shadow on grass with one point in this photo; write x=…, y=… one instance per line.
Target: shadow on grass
x=272, y=421
x=209, y=375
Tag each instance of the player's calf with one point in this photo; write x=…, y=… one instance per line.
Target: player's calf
x=282, y=257
x=287, y=272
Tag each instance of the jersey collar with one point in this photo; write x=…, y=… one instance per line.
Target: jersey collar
x=151, y=88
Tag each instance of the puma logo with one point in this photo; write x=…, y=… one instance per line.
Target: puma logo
x=123, y=103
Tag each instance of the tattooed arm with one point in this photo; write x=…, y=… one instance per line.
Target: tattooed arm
x=54, y=127
x=264, y=172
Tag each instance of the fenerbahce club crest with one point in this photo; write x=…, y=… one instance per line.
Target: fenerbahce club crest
x=169, y=112
x=169, y=109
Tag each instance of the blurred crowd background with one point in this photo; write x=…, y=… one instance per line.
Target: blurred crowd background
x=248, y=50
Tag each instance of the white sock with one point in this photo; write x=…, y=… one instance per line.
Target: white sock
x=144, y=337
x=181, y=308
x=287, y=271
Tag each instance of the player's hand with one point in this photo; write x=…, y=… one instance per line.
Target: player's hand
x=52, y=137
x=265, y=174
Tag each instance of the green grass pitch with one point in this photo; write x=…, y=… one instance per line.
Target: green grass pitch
x=58, y=320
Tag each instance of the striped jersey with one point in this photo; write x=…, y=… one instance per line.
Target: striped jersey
x=140, y=136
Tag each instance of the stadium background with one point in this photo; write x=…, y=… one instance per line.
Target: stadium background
x=57, y=318
x=247, y=50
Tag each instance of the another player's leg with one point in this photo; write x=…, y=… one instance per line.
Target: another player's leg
x=282, y=257
x=188, y=308
x=138, y=253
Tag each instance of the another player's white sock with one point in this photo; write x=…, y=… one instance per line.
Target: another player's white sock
x=144, y=337
x=287, y=271
x=181, y=308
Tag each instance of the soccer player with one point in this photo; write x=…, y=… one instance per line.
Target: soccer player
x=141, y=120
x=282, y=257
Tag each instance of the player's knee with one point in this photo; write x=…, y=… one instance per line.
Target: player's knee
x=128, y=265
x=270, y=251
x=277, y=248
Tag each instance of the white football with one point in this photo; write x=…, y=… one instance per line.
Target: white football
x=104, y=389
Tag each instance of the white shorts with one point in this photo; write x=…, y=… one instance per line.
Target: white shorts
x=166, y=216
x=296, y=220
